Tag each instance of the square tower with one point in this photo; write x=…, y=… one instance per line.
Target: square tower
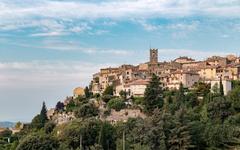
x=153, y=56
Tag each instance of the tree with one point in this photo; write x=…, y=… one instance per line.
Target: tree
x=86, y=110
x=180, y=94
x=123, y=94
x=18, y=125
x=85, y=132
x=5, y=133
x=235, y=84
x=153, y=97
x=220, y=136
x=219, y=109
x=180, y=138
x=221, y=90
x=234, y=97
x=38, y=142
x=109, y=90
x=43, y=114
x=59, y=106
x=116, y=104
x=37, y=122
x=87, y=92
x=49, y=127
x=202, y=89
x=107, y=136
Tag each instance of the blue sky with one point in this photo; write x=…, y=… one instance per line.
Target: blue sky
x=48, y=47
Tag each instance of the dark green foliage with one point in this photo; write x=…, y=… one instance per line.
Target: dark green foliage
x=153, y=96
x=196, y=130
x=191, y=100
x=221, y=91
x=80, y=100
x=109, y=90
x=85, y=132
x=234, y=97
x=123, y=94
x=116, y=104
x=179, y=138
x=38, y=142
x=107, y=136
x=202, y=89
x=37, y=122
x=5, y=133
x=220, y=135
x=180, y=94
x=219, y=109
x=59, y=106
x=43, y=114
x=97, y=95
x=235, y=84
x=87, y=92
x=107, y=98
x=89, y=132
x=86, y=110
x=138, y=100
x=70, y=106
x=49, y=127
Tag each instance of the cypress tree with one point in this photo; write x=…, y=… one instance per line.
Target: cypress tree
x=153, y=95
x=221, y=87
x=180, y=94
x=87, y=92
x=43, y=114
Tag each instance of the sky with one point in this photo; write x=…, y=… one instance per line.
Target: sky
x=49, y=47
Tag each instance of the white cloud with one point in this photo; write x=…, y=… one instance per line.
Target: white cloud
x=19, y=14
x=48, y=34
x=73, y=46
x=47, y=73
x=148, y=26
x=184, y=26
x=196, y=54
x=116, y=9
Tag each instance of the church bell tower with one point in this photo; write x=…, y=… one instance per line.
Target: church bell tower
x=153, y=56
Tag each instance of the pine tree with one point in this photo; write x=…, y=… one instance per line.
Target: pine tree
x=221, y=87
x=43, y=114
x=153, y=95
x=179, y=138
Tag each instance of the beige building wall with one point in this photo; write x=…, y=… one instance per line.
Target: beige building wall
x=208, y=73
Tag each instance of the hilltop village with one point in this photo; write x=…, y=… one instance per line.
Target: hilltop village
x=183, y=104
x=185, y=70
